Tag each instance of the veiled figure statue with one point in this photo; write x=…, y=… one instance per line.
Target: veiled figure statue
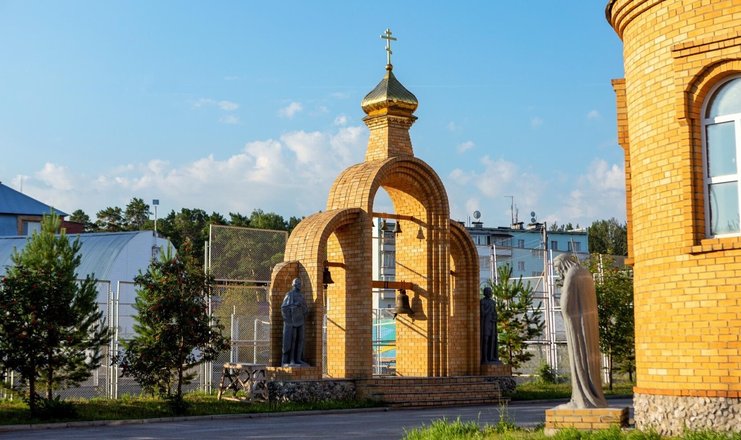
x=579, y=309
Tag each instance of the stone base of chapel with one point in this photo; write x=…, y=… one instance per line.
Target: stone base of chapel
x=294, y=373
x=496, y=369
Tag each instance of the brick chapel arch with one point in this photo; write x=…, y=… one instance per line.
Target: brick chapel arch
x=318, y=238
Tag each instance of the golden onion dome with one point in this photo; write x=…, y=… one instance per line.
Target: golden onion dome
x=389, y=94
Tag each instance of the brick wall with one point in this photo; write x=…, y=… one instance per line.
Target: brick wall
x=687, y=299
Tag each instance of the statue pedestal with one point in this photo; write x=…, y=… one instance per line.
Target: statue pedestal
x=498, y=369
x=294, y=373
x=584, y=419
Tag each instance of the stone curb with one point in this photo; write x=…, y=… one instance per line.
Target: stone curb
x=87, y=424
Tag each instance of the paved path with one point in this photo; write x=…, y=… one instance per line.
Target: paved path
x=368, y=424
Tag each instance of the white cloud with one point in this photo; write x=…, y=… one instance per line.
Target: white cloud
x=223, y=105
x=290, y=175
x=598, y=193
x=452, y=126
x=605, y=177
x=349, y=143
x=228, y=106
x=579, y=197
x=56, y=176
x=593, y=114
x=460, y=177
x=485, y=189
x=465, y=146
x=340, y=120
x=229, y=119
x=290, y=110
x=203, y=102
x=536, y=122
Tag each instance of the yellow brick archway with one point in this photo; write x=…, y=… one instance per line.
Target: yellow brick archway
x=341, y=238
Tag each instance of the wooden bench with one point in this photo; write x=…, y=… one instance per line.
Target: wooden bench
x=249, y=378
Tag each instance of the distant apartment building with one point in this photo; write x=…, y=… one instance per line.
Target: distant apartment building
x=528, y=249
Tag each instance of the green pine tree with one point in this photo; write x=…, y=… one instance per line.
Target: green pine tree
x=517, y=319
x=52, y=330
x=174, y=330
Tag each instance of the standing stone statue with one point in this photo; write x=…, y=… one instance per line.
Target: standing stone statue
x=579, y=309
x=294, y=311
x=489, y=342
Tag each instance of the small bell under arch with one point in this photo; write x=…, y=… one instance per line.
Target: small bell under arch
x=402, y=304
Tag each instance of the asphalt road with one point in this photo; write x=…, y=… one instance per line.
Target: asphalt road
x=355, y=424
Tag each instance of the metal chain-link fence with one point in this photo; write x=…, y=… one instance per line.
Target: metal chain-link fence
x=244, y=255
x=241, y=260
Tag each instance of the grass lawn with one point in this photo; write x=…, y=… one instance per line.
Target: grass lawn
x=16, y=412
x=457, y=430
x=546, y=391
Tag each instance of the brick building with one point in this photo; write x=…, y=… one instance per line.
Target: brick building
x=679, y=123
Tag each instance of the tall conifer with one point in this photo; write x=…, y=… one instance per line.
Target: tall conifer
x=518, y=320
x=51, y=329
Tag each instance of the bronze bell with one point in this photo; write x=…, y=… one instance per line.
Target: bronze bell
x=402, y=304
x=327, y=277
x=397, y=227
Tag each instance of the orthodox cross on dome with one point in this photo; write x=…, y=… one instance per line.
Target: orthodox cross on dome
x=387, y=36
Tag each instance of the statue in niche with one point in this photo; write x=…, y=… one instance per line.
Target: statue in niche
x=489, y=336
x=294, y=311
x=579, y=309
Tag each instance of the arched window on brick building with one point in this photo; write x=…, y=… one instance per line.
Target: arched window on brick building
x=722, y=148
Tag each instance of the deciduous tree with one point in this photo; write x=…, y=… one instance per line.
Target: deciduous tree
x=174, y=331
x=615, y=308
x=608, y=237
x=267, y=220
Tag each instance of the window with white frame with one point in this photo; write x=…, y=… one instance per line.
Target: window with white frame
x=722, y=149
x=388, y=259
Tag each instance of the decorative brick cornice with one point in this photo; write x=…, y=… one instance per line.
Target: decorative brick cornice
x=695, y=47
x=620, y=13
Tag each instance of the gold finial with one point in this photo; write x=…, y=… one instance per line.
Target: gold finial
x=387, y=36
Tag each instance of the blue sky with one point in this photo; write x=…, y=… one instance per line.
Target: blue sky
x=238, y=105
